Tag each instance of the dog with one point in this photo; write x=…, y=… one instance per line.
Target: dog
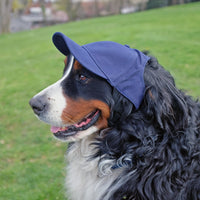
x=117, y=149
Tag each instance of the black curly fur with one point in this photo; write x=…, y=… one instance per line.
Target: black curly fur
x=159, y=144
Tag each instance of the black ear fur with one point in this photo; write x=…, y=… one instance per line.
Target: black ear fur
x=120, y=109
x=164, y=103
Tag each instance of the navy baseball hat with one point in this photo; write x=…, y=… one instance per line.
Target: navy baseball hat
x=120, y=65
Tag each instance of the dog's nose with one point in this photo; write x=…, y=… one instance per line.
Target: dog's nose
x=37, y=105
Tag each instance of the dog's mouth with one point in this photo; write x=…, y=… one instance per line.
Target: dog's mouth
x=69, y=131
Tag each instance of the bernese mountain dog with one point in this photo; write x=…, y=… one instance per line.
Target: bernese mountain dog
x=117, y=151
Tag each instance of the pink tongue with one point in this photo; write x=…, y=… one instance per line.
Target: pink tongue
x=55, y=129
x=82, y=123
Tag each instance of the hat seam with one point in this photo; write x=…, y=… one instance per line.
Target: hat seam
x=96, y=63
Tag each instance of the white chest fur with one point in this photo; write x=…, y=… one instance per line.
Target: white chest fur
x=85, y=180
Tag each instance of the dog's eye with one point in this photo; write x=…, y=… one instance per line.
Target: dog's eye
x=83, y=77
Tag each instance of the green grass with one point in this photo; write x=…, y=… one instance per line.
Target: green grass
x=32, y=165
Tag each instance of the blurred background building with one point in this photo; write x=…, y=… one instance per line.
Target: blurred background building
x=18, y=15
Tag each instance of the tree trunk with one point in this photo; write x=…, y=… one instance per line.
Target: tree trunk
x=174, y=2
x=181, y=1
x=118, y=6
x=72, y=9
x=42, y=5
x=5, y=11
x=96, y=8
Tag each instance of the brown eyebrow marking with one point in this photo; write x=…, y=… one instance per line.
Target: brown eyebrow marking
x=77, y=65
x=65, y=61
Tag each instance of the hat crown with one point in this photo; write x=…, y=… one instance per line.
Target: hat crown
x=120, y=65
x=110, y=57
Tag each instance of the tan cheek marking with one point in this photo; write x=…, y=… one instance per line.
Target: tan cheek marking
x=105, y=114
x=77, y=110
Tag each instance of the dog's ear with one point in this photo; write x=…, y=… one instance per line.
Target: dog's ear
x=163, y=103
x=121, y=107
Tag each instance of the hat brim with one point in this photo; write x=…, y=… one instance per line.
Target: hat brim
x=66, y=46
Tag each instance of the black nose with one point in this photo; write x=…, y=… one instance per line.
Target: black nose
x=37, y=105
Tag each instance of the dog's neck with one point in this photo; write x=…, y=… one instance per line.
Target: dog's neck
x=82, y=149
x=84, y=174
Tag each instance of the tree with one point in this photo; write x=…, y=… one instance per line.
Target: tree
x=71, y=7
x=96, y=8
x=5, y=15
x=42, y=5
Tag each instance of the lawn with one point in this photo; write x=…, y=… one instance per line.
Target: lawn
x=32, y=163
